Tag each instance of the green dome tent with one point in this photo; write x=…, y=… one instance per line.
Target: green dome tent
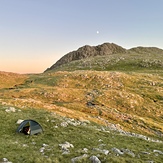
x=29, y=127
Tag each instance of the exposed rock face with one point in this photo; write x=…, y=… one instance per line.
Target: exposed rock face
x=89, y=51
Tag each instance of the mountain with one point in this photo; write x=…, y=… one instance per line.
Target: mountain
x=87, y=52
x=110, y=56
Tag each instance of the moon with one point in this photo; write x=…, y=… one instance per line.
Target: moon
x=97, y=32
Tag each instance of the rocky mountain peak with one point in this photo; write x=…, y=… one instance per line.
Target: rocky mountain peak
x=89, y=51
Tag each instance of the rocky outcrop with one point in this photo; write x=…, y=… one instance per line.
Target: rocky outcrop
x=89, y=51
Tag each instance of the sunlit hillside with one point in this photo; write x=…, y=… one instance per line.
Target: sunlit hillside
x=132, y=101
x=8, y=79
x=106, y=108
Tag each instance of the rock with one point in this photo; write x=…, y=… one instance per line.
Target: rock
x=85, y=150
x=94, y=159
x=146, y=153
x=117, y=151
x=34, y=143
x=19, y=121
x=138, y=136
x=104, y=151
x=65, y=147
x=69, y=121
x=158, y=151
x=64, y=124
x=42, y=149
x=10, y=109
x=127, y=151
x=85, y=121
x=73, y=122
x=5, y=160
x=79, y=158
x=45, y=145
x=65, y=152
x=25, y=145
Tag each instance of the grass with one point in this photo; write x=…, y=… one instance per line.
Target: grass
x=117, y=97
x=21, y=148
x=137, y=60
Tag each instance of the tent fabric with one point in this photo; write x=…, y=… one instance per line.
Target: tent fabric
x=29, y=127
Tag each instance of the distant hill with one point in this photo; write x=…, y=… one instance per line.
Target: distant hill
x=9, y=79
x=110, y=56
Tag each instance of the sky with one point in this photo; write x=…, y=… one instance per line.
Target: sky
x=34, y=34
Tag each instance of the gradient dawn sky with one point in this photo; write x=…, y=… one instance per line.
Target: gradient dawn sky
x=34, y=34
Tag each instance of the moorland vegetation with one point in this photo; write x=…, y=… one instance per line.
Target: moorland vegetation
x=107, y=105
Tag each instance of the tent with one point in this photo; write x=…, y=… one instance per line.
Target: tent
x=29, y=127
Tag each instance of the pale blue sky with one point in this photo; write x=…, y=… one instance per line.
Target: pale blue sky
x=34, y=34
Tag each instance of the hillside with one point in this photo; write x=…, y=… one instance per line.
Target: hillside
x=132, y=100
x=8, y=79
x=115, y=116
x=98, y=105
x=108, y=57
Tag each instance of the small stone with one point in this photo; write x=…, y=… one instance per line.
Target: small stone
x=117, y=151
x=5, y=159
x=94, y=159
x=64, y=124
x=25, y=145
x=44, y=145
x=66, y=152
x=10, y=109
x=65, y=146
x=150, y=161
x=42, y=149
x=85, y=150
x=127, y=151
x=104, y=151
x=147, y=153
x=158, y=151
x=79, y=158
x=34, y=143
x=19, y=121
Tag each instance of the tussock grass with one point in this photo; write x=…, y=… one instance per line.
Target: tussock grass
x=21, y=148
x=132, y=100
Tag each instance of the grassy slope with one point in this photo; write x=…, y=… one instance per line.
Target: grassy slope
x=133, y=100
x=138, y=59
x=8, y=79
x=130, y=96
x=20, y=148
